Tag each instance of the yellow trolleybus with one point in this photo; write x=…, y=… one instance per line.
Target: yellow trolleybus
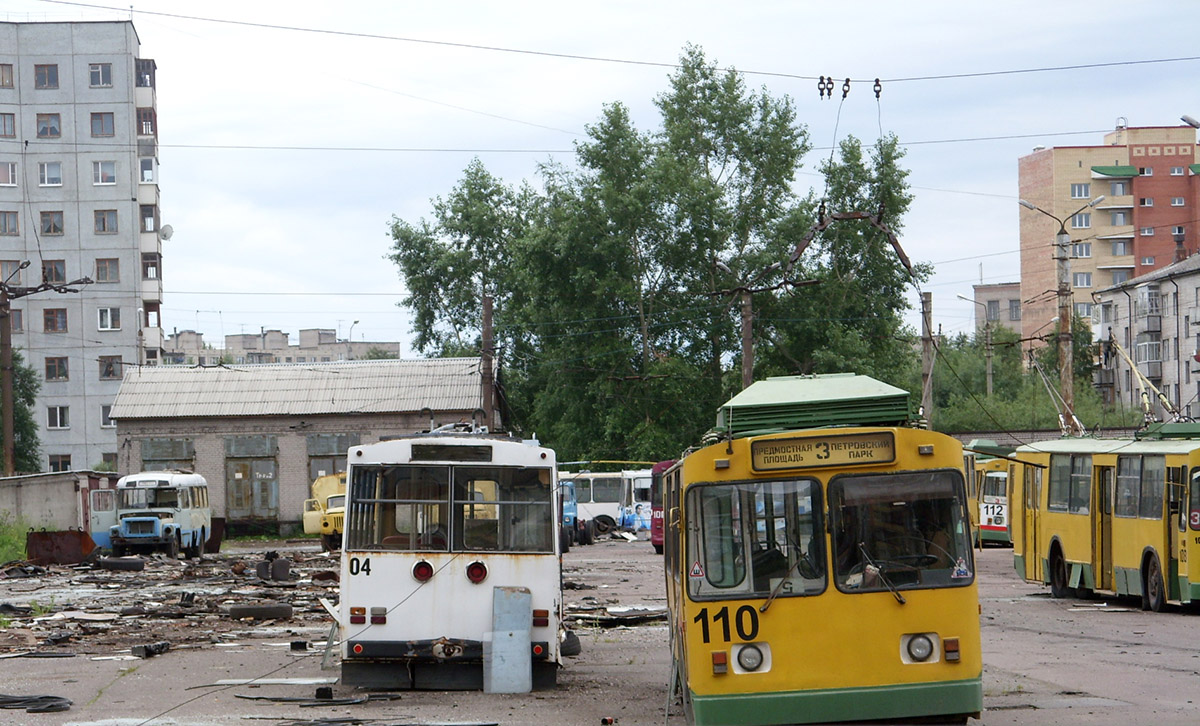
x=821, y=574
x=1118, y=516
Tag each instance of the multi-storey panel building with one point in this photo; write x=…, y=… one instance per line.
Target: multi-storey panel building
x=79, y=199
x=1147, y=219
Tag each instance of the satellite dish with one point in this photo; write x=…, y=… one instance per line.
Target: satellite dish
x=166, y=231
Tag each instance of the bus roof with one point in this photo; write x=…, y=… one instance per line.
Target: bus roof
x=161, y=479
x=1108, y=446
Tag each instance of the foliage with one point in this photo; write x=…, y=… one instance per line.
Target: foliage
x=377, y=353
x=27, y=448
x=12, y=537
x=617, y=284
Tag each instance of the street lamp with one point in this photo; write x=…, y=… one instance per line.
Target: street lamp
x=1062, y=249
x=987, y=337
x=350, y=340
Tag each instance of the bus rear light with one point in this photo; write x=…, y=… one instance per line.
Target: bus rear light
x=720, y=661
x=358, y=649
x=477, y=572
x=950, y=645
x=541, y=618
x=358, y=616
x=539, y=650
x=422, y=571
x=378, y=616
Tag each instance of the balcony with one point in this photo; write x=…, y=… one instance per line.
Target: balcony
x=1150, y=324
x=1106, y=377
x=152, y=290
x=152, y=338
x=1151, y=369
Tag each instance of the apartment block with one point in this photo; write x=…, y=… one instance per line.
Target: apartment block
x=79, y=198
x=316, y=345
x=1145, y=221
x=1000, y=304
x=1155, y=321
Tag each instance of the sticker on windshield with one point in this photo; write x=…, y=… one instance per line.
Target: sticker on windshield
x=697, y=570
x=960, y=569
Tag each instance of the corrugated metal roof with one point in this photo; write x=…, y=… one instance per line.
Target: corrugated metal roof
x=374, y=386
x=797, y=402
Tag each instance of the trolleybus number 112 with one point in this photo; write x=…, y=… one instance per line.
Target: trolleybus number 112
x=745, y=621
x=360, y=567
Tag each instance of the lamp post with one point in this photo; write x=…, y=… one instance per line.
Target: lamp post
x=1062, y=257
x=350, y=340
x=987, y=338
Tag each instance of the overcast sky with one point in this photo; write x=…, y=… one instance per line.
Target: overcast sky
x=291, y=132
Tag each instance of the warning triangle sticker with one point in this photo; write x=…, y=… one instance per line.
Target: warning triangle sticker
x=697, y=570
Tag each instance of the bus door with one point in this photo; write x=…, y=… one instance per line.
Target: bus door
x=1177, y=575
x=102, y=515
x=1102, y=564
x=1191, y=512
x=1032, y=495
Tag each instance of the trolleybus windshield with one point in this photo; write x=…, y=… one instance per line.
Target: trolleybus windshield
x=451, y=508
x=900, y=530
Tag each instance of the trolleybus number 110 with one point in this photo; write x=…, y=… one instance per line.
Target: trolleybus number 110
x=360, y=567
x=745, y=620
x=876, y=447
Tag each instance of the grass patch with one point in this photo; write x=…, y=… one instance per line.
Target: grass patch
x=12, y=537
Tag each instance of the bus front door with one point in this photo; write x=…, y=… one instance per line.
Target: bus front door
x=1102, y=565
x=1032, y=495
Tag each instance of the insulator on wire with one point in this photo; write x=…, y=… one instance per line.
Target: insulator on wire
x=878, y=88
x=845, y=89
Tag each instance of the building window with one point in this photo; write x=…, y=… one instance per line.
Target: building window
x=109, y=459
x=1118, y=188
x=56, y=368
x=1083, y=310
x=8, y=224
x=1121, y=248
x=52, y=223
x=1014, y=309
x=149, y=218
x=1119, y=276
x=6, y=75
x=150, y=266
x=1146, y=231
x=16, y=321
x=110, y=368
x=1083, y=220
x=993, y=311
x=54, y=320
x=1177, y=230
x=50, y=174
x=108, y=269
x=60, y=462
x=8, y=173
x=58, y=417
x=1147, y=260
x=106, y=421
x=8, y=125
x=145, y=73
x=102, y=124
x=100, y=75
x=147, y=166
x=1082, y=279
x=45, y=76
x=1081, y=249
x=10, y=270
x=1177, y=171
x=104, y=172
x=1118, y=218
x=54, y=271
x=49, y=126
x=1146, y=171
x=110, y=318
x=1146, y=201
x=1176, y=201
x=1081, y=191
x=146, y=121
x=106, y=221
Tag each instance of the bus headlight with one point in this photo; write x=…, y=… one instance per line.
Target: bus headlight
x=750, y=657
x=920, y=647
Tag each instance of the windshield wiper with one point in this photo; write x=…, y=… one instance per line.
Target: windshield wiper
x=862, y=547
x=778, y=588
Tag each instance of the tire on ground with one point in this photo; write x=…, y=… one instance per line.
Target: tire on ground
x=261, y=611
x=571, y=645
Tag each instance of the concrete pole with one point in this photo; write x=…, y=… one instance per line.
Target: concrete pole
x=747, y=339
x=987, y=351
x=6, y=384
x=486, y=362
x=1066, y=367
x=927, y=356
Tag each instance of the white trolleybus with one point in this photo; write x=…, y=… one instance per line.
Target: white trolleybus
x=451, y=577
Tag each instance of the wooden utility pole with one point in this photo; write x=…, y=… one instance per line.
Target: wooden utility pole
x=747, y=339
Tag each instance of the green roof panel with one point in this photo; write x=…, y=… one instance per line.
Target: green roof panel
x=787, y=403
x=1118, y=171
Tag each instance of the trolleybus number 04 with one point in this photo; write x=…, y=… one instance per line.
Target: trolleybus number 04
x=360, y=567
x=745, y=621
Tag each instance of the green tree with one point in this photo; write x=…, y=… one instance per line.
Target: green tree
x=377, y=353
x=26, y=447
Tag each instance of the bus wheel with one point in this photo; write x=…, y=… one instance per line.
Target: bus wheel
x=571, y=645
x=658, y=549
x=1154, y=595
x=604, y=524
x=172, y=549
x=564, y=538
x=1058, y=576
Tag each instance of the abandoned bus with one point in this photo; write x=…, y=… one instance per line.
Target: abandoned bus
x=450, y=570
x=611, y=500
x=822, y=574
x=656, y=504
x=1116, y=516
x=161, y=511
x=991, y=480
